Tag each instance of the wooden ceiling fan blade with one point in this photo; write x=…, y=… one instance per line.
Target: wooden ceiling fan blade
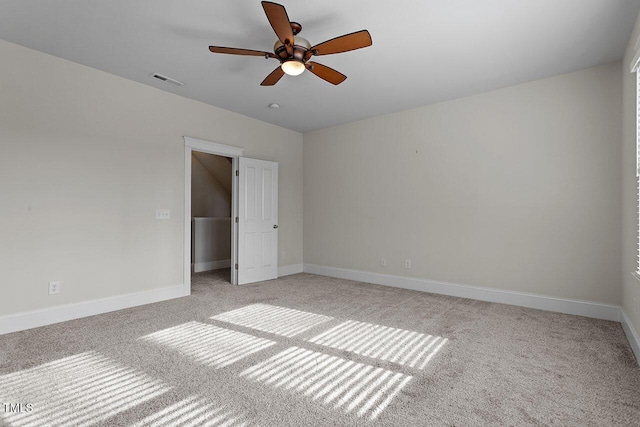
x=279, y=20
x=345, y=43
x=237, y=51
x=326, y=73
x=273, y=78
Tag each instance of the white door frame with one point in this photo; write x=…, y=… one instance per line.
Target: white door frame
x=190, y=145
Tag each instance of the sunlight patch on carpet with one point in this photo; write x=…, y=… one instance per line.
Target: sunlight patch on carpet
x=195, y=411
x=208, y=344
x=406, y=348
x=78, y=390
x=270, y=318
x=340, y=383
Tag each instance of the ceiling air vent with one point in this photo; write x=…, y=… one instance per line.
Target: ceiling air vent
x=167, y=79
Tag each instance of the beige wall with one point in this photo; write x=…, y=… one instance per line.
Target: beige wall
x=85, y=160
x=631, y=286
x=208, y=197
x=515, y=189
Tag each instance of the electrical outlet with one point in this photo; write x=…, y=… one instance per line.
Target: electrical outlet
x=407, y=263
x=54, y=288
x=163, y=214
x=383, y=262
x=284, y=255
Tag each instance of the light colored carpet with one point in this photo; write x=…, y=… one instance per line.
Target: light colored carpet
x=310, y=350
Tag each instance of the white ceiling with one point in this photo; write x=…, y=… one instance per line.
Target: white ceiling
x=424, y=51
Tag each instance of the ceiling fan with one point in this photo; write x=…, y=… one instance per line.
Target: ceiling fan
x=294, y=51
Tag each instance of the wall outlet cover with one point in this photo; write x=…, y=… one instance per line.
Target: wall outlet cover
x=54, y=288
x=163, y=214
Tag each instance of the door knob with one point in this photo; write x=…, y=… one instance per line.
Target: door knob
x=275, y=226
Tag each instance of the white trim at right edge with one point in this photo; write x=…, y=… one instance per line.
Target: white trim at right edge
x=631, y=333
x=540, y=302
x=636, y=57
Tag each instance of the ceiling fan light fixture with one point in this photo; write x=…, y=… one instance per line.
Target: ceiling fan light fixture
x=293, y=67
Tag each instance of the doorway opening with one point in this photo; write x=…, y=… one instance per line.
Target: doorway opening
x=221, y=155
x=254, y=215
x=211, y=196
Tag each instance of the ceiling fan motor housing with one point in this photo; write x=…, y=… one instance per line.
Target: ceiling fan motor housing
x=300, y=48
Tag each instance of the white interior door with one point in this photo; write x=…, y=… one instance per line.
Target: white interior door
x=257, y=220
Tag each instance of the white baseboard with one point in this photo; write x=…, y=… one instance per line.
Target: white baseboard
x=213, y=265
x=540, y=302
x=631, y=333
x=287, y=270
x=33, y=319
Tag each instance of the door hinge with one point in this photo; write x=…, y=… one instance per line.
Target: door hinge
x=237, y=173
x=236, y=266
x=236, y=220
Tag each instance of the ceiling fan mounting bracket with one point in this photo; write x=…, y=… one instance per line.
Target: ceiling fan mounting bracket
x=296, y=28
